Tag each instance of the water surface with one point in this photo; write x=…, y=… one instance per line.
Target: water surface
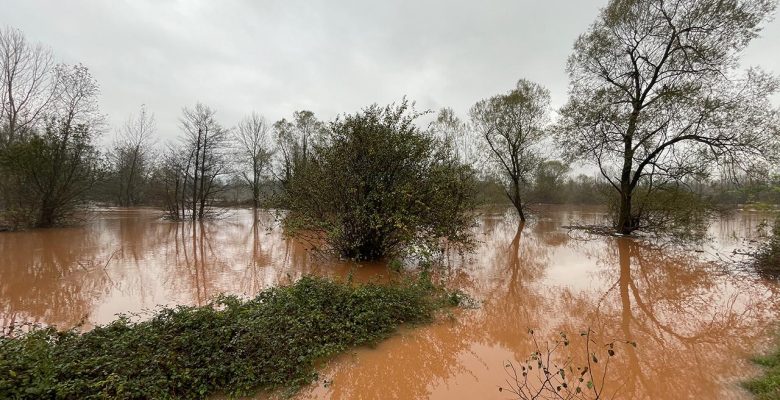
x=695, y=322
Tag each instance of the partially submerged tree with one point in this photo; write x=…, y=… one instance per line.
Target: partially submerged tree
x=188, y=175
x=168, y=180
x=656, y=98
x=131, y=158
x=254, y=151
x=379, y=185
x=204, y=143
x=49, y=173
x=512, y=125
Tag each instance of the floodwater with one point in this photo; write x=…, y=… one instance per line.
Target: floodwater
x=694, y=322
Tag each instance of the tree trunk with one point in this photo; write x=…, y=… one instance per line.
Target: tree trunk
x=46, y=218
x=516, y=200
x=255, y=184
x=195, y=177
x=625, y=223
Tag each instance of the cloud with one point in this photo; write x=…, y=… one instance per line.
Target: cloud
x=331, y=57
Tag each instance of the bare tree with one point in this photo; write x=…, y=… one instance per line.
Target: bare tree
x=205, y=141
x=170, y=177
x=26, y=84
x=656, y=98
x=513, y=125
x=456, y=135
x=254, y=151
x=131, y=156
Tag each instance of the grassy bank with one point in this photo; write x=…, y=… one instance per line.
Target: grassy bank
x=232, y=347
x=767, y=387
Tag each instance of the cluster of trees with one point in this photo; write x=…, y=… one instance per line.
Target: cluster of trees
x=657, y=103
x=49, y=118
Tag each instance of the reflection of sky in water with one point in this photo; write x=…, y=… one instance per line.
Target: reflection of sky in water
x=693, y=321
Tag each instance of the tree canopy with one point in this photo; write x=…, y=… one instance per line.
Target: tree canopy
x=513, y=125
x=657, y=97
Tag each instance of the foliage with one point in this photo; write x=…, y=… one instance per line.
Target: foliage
x=549, y=178
x=46, y=176
x=512, y=126
x=545, y=374
x=273, y=341
x=768, y=257
x=378, y=185
x=295, y=141
x=456, y=136
x=766, y=387
x=656, y=97
x=46, y=172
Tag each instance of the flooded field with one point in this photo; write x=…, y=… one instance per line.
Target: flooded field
x=694, y=322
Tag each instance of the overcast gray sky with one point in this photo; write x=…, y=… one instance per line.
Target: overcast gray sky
x=327, y=56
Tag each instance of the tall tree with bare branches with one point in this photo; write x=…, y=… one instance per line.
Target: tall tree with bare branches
x=131, y=157
x=27, y=84
x=205, y=141
x=254, y=151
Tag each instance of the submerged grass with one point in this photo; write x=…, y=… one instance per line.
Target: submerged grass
x=231, y=347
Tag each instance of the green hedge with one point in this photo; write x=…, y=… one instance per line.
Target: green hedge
x=232, y=347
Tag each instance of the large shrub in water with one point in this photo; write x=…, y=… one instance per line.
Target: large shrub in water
x=378, y=184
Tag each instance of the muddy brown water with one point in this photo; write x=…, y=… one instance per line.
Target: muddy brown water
x=695, y=322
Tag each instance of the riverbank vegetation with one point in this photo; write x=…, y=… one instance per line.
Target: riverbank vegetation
x=767, y=386
x=767, y=257
x=231, y=346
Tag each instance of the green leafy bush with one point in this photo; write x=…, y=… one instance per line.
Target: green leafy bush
x=235, y=347
x=377, y=185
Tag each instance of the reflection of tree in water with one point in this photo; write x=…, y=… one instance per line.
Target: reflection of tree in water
x=239, y=255
x=513, y=301
x=691, y=324
x=51, y=276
